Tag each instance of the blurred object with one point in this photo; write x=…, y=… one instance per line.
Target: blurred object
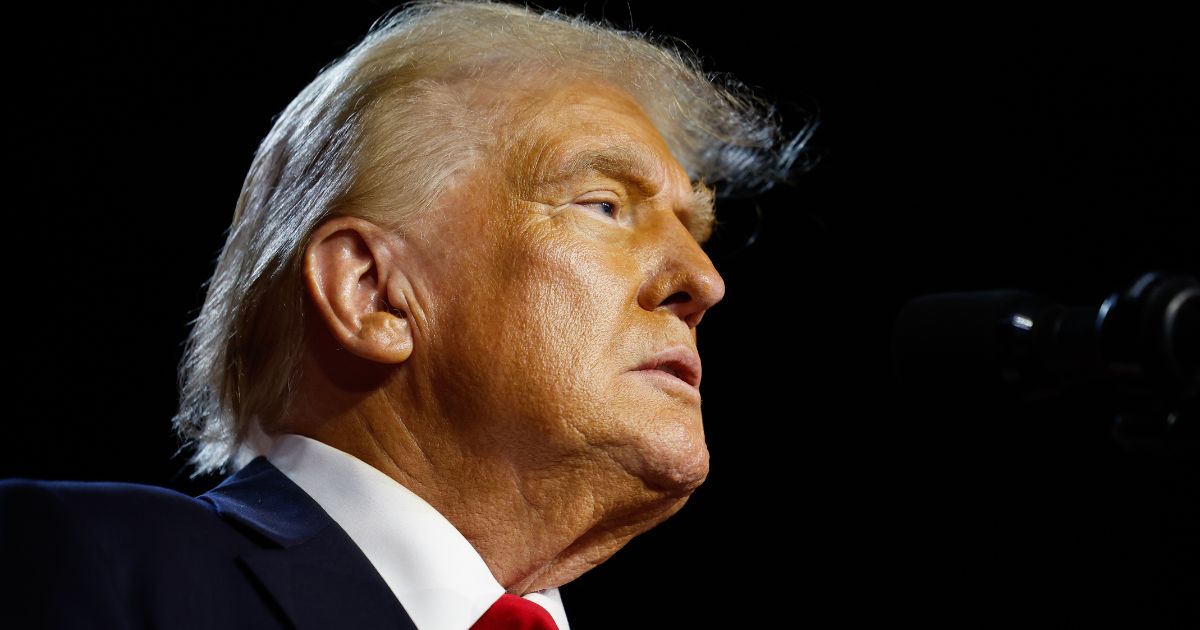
x=1138, y=351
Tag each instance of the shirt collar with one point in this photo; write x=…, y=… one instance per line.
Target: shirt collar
x=437, y=575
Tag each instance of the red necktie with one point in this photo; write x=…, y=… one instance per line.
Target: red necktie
x=515, y=613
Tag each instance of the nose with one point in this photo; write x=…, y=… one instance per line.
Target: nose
x=682, y=279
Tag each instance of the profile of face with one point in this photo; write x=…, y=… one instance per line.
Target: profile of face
x=558, y=313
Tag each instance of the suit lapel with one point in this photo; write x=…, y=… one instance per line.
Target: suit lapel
x=327, y=583
x=310, y=567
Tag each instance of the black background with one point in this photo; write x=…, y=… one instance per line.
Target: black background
x=958, y=152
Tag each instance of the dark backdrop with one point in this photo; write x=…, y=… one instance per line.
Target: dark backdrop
x=957, y=153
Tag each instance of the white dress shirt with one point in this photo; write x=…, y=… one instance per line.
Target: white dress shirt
x=437, y=575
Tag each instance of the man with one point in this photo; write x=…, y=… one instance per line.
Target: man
x=449, y=347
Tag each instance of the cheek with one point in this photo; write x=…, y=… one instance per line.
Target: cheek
x=539, y=325
x=573, y=302
x=546, y=336
x=589, y=331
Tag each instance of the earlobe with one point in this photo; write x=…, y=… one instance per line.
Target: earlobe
x=348, y=267
x=385, y=337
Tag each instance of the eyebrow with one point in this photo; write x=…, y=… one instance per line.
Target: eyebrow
x=627, y=166
x=622, y=165
x=703, y=211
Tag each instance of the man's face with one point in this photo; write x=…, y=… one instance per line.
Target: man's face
x=565, y=286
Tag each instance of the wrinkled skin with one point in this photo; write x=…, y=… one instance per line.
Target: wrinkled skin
x=487, y=357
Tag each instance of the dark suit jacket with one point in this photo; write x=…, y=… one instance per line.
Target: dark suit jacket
x=255, y=552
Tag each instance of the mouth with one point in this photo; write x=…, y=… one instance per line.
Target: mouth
x=679, y=362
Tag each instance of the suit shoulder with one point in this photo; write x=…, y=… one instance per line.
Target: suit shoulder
x=75, y=551
x=131, y=521
x=87, y=554
x=96, y=502
x=34, y=489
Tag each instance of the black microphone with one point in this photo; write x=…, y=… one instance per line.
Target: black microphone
x=1139, y=349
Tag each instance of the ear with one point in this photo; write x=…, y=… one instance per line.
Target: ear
x=357, y=288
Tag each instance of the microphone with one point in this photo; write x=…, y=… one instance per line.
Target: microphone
x=1139, y=350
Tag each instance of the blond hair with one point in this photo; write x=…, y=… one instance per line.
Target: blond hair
x=389, y=121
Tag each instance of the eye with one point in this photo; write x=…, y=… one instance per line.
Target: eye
x=603, y=206
x=607, y=208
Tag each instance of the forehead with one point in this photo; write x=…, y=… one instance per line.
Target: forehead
x=554, y=133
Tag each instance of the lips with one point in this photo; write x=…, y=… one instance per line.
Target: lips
x=678, y=361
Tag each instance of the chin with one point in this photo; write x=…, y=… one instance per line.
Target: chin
x=675, y=465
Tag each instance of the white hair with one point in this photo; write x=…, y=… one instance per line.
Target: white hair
x=380, y=133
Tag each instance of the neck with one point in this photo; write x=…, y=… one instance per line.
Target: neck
x=535, y=528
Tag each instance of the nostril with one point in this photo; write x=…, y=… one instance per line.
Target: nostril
x=674, y=298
